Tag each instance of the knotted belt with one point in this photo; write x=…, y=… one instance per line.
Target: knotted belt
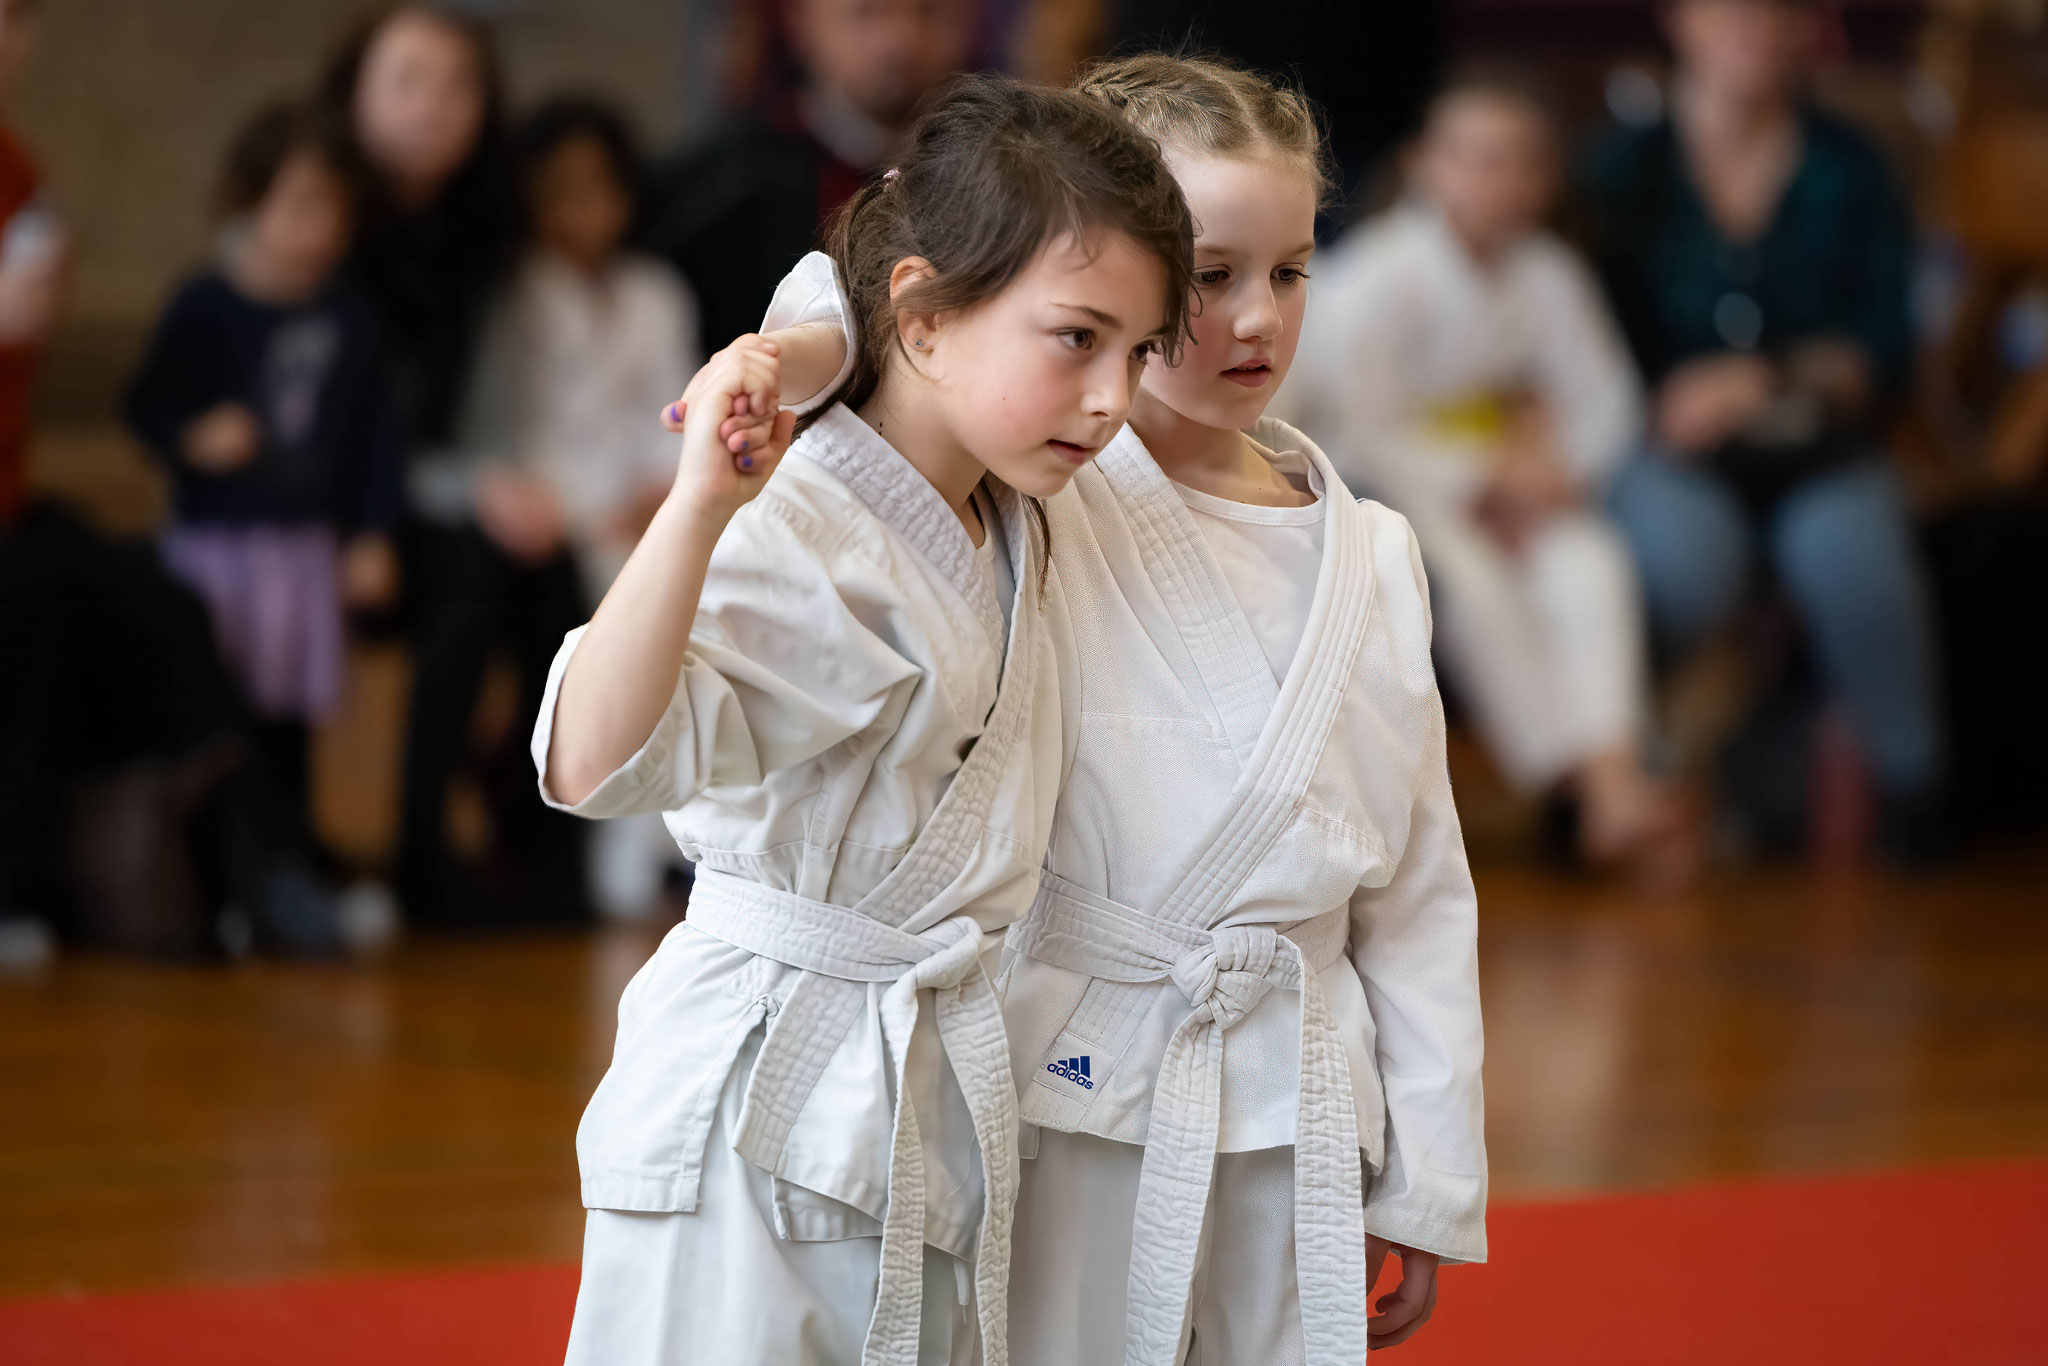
x=1224, y=973
x=839, y=952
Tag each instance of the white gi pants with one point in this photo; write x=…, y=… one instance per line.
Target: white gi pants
x=1545, y=647
x=720, y=1285
x=1071, y=1258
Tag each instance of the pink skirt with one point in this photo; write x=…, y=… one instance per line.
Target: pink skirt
x=275, y=598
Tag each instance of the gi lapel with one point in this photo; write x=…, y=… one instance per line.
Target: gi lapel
x=1291, y=740
x=1206, y=614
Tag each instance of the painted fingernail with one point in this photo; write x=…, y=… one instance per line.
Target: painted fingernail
x=746, y=445
x=673, y=415
x=746, y=462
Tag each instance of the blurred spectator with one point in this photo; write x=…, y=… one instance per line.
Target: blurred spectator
x=34, y=259
x=563, y=458
x=734, y=214
x=1758, y=252
x=266, y=395
x=418, y=91
x=126, y=816
x=1459, y=363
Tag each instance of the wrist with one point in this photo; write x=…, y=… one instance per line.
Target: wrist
x=693, y=511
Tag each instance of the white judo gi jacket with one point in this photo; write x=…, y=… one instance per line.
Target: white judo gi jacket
x=1257, y=925
x=868, y=810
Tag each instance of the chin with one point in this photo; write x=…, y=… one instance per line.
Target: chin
x=1232, y=411
x=1035, y=476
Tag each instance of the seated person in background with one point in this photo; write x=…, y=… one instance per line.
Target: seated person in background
x=1758, y=251
x=735, y=213
x=1459, y=364
x=266, y=394
x=561, y=445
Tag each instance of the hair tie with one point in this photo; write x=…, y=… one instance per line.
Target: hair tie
x=891, y=174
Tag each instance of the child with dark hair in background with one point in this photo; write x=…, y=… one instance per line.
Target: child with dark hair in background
x=265, y=393
x=557, y=450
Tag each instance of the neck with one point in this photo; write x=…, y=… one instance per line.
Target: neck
x=1483, y=250
x=1730, y=117
x=260, y=279
x=914, y=430
x=1185, y=449
x=591, y=268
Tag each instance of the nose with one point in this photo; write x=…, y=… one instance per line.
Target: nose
x=1110, y=381
x=1259, y=320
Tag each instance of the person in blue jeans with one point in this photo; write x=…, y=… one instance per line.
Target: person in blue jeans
x=1758, y=252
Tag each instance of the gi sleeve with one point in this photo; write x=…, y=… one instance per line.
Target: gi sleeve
x=811, y=293
x=783, y=664
x=183, y=374
x=1414, y=942
x=1584, y=369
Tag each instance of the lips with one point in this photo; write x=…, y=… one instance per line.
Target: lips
x=1072, y=452
x=1251, y=374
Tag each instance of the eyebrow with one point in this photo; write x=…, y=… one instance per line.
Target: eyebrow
x=1305, y=248
x=1106, y=319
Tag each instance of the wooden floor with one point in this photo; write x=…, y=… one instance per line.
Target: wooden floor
x=163, y=1126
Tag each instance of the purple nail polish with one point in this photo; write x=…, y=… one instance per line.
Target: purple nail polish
x=672, y=413
x=746, y=445
x=746, y=462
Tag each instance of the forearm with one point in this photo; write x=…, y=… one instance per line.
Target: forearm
x=624, y=673
x=811, y=355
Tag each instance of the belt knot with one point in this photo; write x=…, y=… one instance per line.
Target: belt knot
x=956, y=951
x=1231, y=973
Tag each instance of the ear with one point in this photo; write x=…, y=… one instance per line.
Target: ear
x=915, y=330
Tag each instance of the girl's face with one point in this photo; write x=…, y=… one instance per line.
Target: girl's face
x=1035, y=381
x=1254, y=234
x=419, y=102
x=580, y=210
x=300, y=229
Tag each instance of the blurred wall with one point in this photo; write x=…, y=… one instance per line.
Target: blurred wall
x=128, y=105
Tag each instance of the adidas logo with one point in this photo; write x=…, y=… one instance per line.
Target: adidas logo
x=1074, y=1070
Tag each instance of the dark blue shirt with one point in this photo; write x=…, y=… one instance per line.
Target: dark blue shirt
x=316, y=377
x=1834, y=260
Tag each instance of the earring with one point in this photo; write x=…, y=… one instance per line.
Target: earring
x=919, y=343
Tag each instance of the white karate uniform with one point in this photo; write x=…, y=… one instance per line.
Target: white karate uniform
x=1244, y=1009
x=1256, y=932
x=810, y=1083
x=1407, y=351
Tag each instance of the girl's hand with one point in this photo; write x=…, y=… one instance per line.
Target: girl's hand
x=223, y=439
x=745, y=427
x=1404, y=1310
x=807, y=355
x=722, y=467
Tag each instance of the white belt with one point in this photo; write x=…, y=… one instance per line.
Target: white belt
x=839, y=951
x=1224, y=973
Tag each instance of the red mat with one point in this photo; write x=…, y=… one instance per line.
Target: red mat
x=1922, y=1267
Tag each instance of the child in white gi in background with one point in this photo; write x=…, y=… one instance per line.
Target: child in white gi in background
x=1464, y=368
x=1244, y=1009
x=589, y=338
x=850, y=710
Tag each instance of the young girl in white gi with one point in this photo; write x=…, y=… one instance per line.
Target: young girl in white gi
x=840, y=685
x=1244, y=1009
x=1465, y=363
